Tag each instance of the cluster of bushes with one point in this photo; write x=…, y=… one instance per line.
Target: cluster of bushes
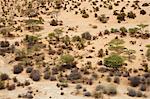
x=137, y=32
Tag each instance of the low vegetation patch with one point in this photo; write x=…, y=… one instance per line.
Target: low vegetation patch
x=114, y=61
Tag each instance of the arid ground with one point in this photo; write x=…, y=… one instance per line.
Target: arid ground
x=74, y=49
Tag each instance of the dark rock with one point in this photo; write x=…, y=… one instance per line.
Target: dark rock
x=86, y=36
x=88, y=94
x=131, y=92
x=47, y=75
x=139, y=94
x=134, y=81
x=17, y=69
x=52, y=78
x=74, y=75
x=143, y=87
x=35, y=75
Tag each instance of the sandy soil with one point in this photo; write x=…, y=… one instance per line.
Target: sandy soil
x=47, y=88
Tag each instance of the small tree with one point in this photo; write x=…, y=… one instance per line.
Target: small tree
x=66, y=40
x=142, y=27
x=123, y=29
x=58, y=32
x=113, y=61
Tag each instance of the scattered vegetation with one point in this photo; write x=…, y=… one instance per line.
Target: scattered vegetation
x=67, y=58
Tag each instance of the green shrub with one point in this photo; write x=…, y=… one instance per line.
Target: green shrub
x=31, y=39
x=148, y=46
x=133, y=30
x=148, y=54
x=113, y=30
x=67, y=58
x=66, y=40
x=113, y=61
x=2, y=85
x=51, y=35
x=123, y=30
